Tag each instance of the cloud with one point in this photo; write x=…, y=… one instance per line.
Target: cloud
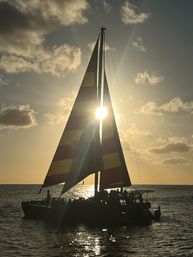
x=17, y=117
x=65, y=105
x=25, y=25
x=59, y=60
x=128, y=134
x=144, y=78
x=176, y=161
x=56, y=12
x=125, y=140
x=172, y=147
x=60, y=116
x=56, y=61
x=134, y=130
x=3, y=82
x=107, y=7
x=173, y=106
x=68, y=102
x=18, y=35
x=176, y=104
x=55, y=119
x=138, y=44
x=131, y=15
x=150, y=108
x=15, y=64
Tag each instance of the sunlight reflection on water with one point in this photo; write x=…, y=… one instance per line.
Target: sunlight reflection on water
x=97, y=246
x=85, y=191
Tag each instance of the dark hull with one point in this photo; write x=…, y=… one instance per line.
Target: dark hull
x=94, y=214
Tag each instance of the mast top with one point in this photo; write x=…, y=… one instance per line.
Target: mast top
x=103, y=29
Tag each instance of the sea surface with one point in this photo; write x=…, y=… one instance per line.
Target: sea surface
x=172, y=237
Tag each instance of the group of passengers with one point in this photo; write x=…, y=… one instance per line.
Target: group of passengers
x=114, y=197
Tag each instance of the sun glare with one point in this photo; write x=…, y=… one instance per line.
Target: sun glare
x=101, y=113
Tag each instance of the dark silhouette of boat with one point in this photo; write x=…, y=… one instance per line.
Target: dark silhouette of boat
x=91, y=145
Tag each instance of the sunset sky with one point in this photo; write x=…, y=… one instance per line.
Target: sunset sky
x=45, y=47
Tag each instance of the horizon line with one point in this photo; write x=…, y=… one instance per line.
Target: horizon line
x=1, y=184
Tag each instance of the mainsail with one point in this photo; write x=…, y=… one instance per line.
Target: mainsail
x=80, y=151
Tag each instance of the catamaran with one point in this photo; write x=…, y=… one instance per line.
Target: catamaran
x=90, y=144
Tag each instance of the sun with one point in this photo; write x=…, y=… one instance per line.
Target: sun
x=101, y=113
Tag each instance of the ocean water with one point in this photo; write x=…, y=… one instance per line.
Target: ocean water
x=172, y=237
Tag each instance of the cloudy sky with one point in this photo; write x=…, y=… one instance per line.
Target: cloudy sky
x=44, y=50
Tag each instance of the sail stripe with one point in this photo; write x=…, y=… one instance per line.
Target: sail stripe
x=109, y=146
x=86, y=94
x=64, y=152
x=82, y=108
x=108, y=133
x=71, y=137
x=55, y=179
x=62, y=166
x=89, y=79
x=77, y=122
x=112, y=177
x=111, y=160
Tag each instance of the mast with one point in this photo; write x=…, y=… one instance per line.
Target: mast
x=100, y=87
x=101, y=62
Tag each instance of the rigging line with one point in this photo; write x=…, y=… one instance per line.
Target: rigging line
x=40, y=190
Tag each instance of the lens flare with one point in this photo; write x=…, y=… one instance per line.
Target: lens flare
x=101, y=113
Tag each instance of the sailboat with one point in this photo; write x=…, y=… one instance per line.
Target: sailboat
x=90, y=144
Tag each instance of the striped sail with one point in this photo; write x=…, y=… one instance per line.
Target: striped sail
x=76, y=155
x=80, y=151
x=114, y=173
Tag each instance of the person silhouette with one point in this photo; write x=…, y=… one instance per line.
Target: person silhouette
x=48, y=197
x=157, y=214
